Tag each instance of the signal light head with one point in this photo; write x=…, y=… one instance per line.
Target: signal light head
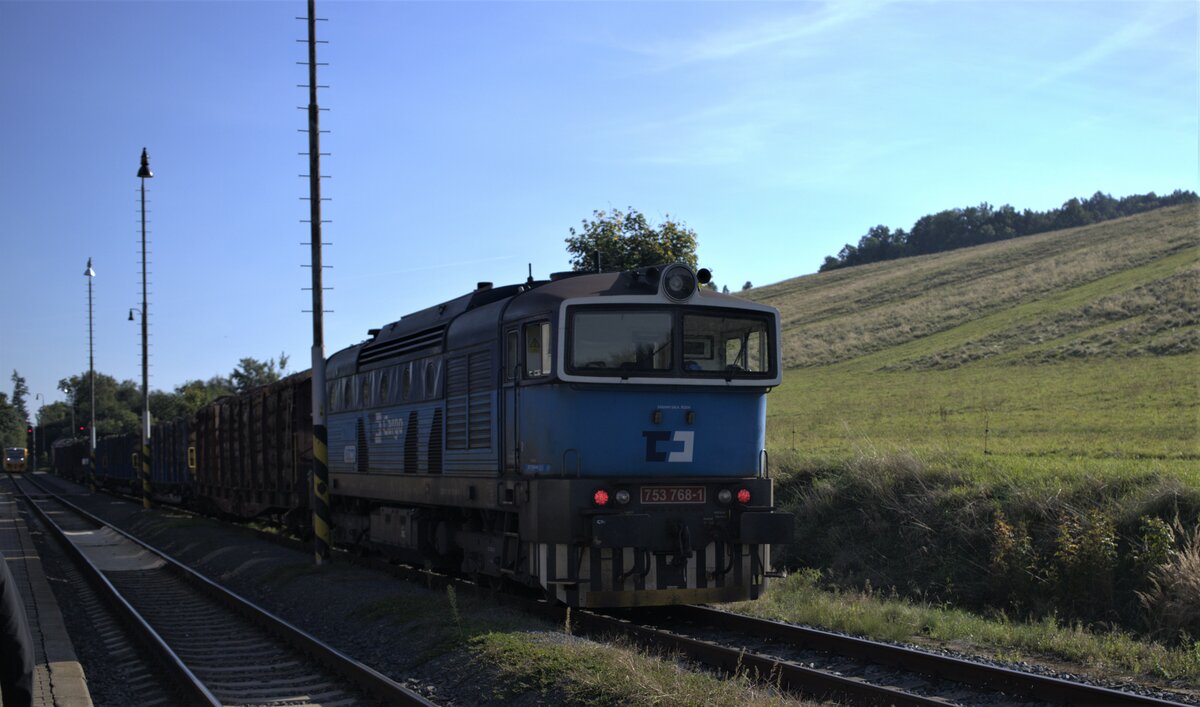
x=743, y=496
x=600, y=497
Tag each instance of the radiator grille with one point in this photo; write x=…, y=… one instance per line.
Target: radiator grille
x=435, y=443
x=469, y=402
x=362, y=454
x=402, y=346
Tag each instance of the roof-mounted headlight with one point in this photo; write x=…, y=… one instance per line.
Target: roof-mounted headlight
x=679, y=283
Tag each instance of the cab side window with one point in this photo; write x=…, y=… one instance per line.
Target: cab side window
x=537, y=349
x=510, y=355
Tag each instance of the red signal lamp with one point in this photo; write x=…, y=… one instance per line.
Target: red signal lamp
x=600, y=497
x=743, y=496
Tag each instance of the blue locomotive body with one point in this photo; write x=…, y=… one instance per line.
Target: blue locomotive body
x=614, y=433
x=598, y=436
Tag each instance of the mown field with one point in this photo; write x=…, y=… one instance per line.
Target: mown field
x=1079, y=344
x=1074, y=413
x=1013, y=430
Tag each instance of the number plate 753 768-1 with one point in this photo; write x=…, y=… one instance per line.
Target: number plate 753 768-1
x=672, y=494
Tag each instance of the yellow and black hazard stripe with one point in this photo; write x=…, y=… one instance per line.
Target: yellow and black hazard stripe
x=146, y=475
x=320, y=495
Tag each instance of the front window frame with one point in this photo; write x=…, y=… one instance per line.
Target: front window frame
x=676, y=373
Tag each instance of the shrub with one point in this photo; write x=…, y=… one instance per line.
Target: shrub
x=1084, y=561
x=1013, y=566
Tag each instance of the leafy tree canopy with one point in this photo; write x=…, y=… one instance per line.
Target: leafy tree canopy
x=188, y=397
x=119, y=404
x=251, y=373
x=614, y=241
x=12, y=425
x=20, y=392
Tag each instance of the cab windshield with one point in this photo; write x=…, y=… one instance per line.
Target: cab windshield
x=16, y=454
x=671, y=342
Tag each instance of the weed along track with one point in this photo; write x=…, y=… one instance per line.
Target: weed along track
x=217, y=648
x=810, y=662
x=822, y=663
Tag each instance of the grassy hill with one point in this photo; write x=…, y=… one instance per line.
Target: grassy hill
x=1012, y=429
x=1043, y=350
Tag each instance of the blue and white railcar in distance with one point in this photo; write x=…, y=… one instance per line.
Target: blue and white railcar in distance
x=601, y=436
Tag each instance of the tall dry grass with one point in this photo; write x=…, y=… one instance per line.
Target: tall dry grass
x=1172, y=603
x=1083, y=549
x=1156, y=318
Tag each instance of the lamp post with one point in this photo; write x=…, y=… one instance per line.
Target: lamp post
x=143, y=174
x=91, y=385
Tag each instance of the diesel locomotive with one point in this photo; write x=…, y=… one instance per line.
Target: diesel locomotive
x=598, y=436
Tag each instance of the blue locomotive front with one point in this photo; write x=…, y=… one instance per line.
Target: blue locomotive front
x=601, y=436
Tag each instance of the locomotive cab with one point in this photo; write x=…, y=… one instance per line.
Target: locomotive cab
x=645, y=433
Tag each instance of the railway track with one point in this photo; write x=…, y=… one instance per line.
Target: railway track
x=797, y=659
x=864, y=671
x=803, y=660
x=217, y=648
x=119, y=670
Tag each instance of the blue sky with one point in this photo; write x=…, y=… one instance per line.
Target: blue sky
x=467, y=138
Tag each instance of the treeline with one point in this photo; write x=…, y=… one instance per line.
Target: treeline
x=119, y=403
x=975, y=225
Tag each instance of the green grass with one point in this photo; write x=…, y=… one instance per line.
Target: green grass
x=565, y=670
x=1084, y=410
x=524, y=660
x=1079, y=345
x=994, y=427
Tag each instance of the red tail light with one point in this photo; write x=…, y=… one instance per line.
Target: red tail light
x=600, y=498
x=743, y=496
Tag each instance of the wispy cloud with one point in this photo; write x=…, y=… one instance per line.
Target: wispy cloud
x=1157, y=18
x=762, y=34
